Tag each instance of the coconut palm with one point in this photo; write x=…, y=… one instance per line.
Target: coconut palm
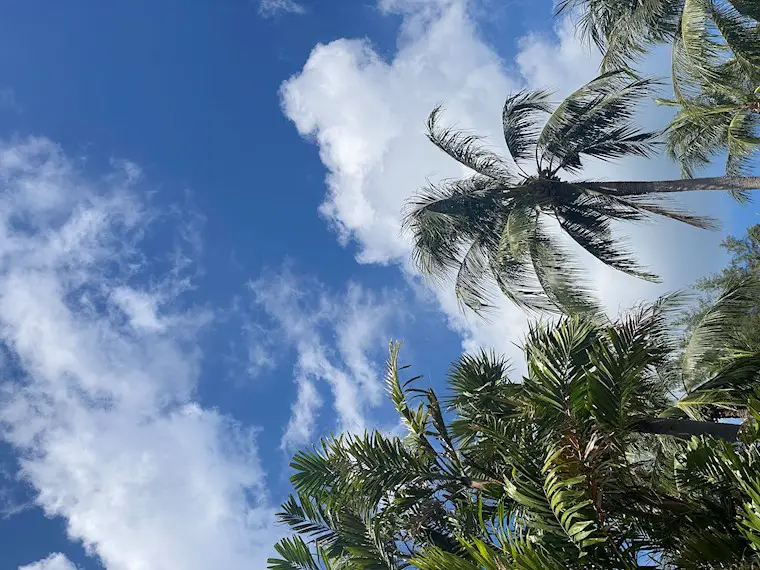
x=563, y=469
x=499, y=224
x=715, y=67
x=712, y=124
x=718, y=109
x=706, y=29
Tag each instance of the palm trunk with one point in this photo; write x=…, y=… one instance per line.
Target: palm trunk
x=640, y=187
x=687, y=428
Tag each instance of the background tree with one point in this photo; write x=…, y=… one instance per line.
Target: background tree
x=498, y=225
x=715, y=68
x=700, y=31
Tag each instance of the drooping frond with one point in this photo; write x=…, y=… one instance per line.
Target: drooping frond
x=596, y=121
x=622, y=30
x=591, y=230
x=699, y=47
x=655, y=204
x=519, y=122
x=696, y=135
x=743, y=134
x=560, y=277
x=739, y=29
x=444, y=218
x=466, y=149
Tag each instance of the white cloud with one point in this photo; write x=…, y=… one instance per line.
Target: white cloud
x=269, y=8
x=98, y=391
x=55, y=561
x=336, y=338
x=367, y=116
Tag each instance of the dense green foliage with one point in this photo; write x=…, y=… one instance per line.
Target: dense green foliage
x=560, y=469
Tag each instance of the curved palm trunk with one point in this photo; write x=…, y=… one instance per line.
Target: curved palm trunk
x=640, y=187
x=687, y=428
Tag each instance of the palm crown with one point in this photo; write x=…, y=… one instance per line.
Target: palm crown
x=497, y=223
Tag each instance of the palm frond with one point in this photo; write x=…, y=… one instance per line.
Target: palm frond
x=622, y=31
x=466, y=149
x=519, y=122
x=596, y=121
x=696, y=135
x=295, y=556
x=655, y=205
x=743, y=141
x=591, y=230
x=444, y=218
x=715, y=329
x=415, y=419
x=560, y=278
x=699, y=51
x=739, y=31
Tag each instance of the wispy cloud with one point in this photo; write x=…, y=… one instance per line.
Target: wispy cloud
x=339, y=338
x=55, y=561
x=101, y=369
x=367, y=115
x=269, y=8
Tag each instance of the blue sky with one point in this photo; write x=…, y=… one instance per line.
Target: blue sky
x=200, y=257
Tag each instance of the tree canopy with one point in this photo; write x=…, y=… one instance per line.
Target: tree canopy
x=590, y=460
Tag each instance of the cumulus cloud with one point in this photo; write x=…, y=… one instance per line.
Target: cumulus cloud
x=100, y=368
x=367, y=115
x=269, y=8
x=338, y=338
x=55, y=561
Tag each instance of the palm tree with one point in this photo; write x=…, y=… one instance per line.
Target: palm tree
x=563, y=469
x=715, y=67
x=713, y=123
x=701, y=30
x=498, y=224
x=718, y=103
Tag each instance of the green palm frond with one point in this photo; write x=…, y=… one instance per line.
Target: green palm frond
x=519, y=122
x=739, y=32
x=714, y=332
x=560, y=277
x=296, y=555
x=591, y=230
x=596, y=121
x=415, y=419
x=697, y=134
x=699, y=403
x=556, y=380
x=466, y=149
x=743, y=134
x=623, y=31
x=699, y=55
x=312, y=519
